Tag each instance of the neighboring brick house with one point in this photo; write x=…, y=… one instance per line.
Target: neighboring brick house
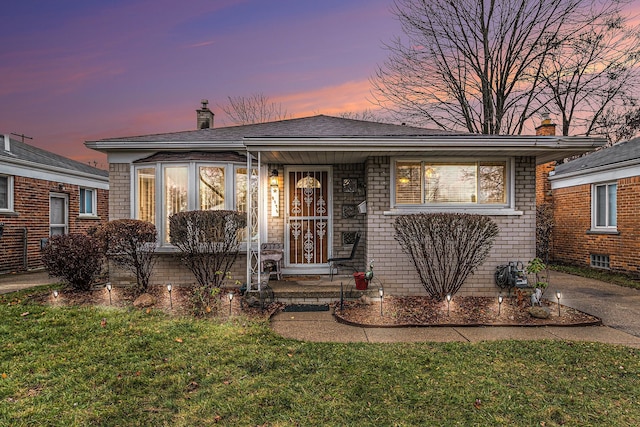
x=313, y=176
x=596, y=201
x=43, y=194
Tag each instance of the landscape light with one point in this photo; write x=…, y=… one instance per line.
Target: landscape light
x=109, y=289
x=499, y=303
x=381, y=292
x=448, y=302
x=558, y=295
x=170, y=300
x=230, y=296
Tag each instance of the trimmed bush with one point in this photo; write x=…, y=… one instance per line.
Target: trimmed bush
x=209, y=243
x=131, y=244
x=445, y=247
x=74, y=258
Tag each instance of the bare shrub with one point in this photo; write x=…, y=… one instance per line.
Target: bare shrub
x=445, y=248
x=209, y=243
x=131, y=243
x=74, y=258
x=544, y=231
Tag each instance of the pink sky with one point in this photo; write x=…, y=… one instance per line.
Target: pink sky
x=77, y=70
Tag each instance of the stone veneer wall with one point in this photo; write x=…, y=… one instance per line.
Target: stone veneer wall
x=393, y=267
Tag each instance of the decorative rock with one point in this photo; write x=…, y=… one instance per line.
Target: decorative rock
x=144, y=300
x=252, y=301
x=365, y=300
x=539, y=312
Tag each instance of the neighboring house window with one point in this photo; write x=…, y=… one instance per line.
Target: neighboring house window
x=604, y=209
x=88, y=201
x=430, y=183
x=600, y=261
x=187, y=186
x=6, y=193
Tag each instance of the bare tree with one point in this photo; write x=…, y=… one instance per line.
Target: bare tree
x=256, y=108
x=619, y=125
x=366, y=114
x=594, y=72
x=477, y=65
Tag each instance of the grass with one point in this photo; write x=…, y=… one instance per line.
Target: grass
x=60, y=367
x=602, y=275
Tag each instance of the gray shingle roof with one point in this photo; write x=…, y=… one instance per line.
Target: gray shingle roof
x=315, y=126
x=29, y=153
x=621, y=152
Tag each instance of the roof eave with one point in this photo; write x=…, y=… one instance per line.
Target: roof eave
x=596, y=169
x=56, y=169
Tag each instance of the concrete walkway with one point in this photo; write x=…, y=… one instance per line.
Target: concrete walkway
x=18, y=281
x=617, y=306
x=322, y=327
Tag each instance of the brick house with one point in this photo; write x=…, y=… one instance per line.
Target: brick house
x=43, y=194
x=317, y=181
x=595, y=203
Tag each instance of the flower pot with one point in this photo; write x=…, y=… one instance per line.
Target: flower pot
x=361, y=282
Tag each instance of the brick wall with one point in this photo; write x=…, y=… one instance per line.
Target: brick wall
x=543, y=186
x=350, y=223
x=395, y=270
x=120, y=186
x=169, y=269
x=573, y=244
x=29, y=223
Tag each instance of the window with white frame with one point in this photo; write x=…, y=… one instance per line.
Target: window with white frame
x=88, y=202
x=419, y=182
x=604, y=207
x=187, y=186
x=6, y=193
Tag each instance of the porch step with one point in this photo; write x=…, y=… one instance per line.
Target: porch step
x=317, y=296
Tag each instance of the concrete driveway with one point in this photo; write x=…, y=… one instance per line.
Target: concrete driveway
x=617, y=306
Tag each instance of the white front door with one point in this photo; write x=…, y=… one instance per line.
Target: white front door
x=308, y=217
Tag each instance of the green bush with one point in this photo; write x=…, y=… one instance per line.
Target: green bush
x=131, y=244
x=74, y=258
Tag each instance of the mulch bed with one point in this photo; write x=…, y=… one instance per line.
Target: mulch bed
x=463, y=311
x=396, y=311
x=181, y=303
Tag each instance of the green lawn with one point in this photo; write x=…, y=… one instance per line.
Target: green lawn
x=60, y=366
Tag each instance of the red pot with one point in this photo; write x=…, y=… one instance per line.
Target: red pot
x=361, y=282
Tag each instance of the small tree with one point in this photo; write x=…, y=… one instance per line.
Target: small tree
x=131, y=244
x=209, y=243
x=74, y=258
x=445, y=248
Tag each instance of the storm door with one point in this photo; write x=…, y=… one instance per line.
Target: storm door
x=308, y=219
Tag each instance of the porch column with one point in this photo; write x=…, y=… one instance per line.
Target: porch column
x=254, y=202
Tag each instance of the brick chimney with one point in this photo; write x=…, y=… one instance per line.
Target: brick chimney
x=205, y=116
x=546, y=128
x=543, y=186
